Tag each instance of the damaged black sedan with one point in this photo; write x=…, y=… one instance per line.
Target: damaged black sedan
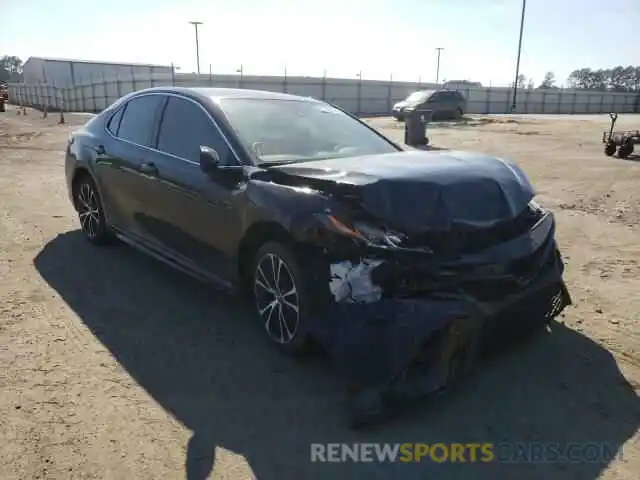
x=403, y=265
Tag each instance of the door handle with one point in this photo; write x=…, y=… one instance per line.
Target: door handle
x=149, y=168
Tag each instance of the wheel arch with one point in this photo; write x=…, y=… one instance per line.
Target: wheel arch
x=257, y=235
x=79, y=173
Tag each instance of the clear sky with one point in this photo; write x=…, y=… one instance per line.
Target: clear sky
x=377, y=37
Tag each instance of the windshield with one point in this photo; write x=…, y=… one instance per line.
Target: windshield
x=418, y=96
x=283, y=131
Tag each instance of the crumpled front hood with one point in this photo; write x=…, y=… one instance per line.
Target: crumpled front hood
x=417, y=190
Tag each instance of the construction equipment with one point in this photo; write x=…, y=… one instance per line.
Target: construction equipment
x=623, y=141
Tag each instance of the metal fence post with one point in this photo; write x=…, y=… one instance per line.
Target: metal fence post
x=83, y=101
x=45, y=99
x=284, y=81
x=390, y=94
x=559, y=108
x=487, y=101
x=601, y=108
x=118, y=88
x=613, y=103
x=106, y=93
x=56, y=94
x=93, y=93
x=62, y=106
x=324, y=85
x=359, y=93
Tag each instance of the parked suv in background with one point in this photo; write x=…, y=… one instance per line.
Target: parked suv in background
x=443, y=103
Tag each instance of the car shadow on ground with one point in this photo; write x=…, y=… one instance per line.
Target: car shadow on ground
x=203, y=359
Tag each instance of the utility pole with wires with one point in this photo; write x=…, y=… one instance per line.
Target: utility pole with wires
x=515, y=82
x=195, y=25
x=439, y=49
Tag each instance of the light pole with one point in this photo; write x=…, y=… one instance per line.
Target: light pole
x=515, y=82
x=439, y=49
x=195, y=25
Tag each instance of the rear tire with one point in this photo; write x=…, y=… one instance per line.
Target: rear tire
x=625, y=150
x=280, y=297
x=90, y=210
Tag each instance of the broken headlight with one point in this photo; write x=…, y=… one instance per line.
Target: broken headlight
x=361, y=231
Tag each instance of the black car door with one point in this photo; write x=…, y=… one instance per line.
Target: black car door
x=194, y=215
x=121, y=162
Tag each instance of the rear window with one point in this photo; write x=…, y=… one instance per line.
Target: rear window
x=114, y=122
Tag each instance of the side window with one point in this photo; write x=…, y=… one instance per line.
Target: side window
x=185, y=127
x=138, y=120
x=114, y=121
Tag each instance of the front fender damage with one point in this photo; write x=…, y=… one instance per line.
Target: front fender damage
x=388, y=333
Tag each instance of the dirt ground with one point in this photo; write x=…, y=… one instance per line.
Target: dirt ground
x=113, y=366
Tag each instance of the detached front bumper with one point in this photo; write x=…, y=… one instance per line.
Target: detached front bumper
x=423, y=337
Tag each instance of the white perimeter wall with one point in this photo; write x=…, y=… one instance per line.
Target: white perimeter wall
x=366, y=97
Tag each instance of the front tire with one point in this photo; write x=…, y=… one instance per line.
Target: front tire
x=90, y=210
x=280, y=297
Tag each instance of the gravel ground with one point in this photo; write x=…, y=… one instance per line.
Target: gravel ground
x=113, y=366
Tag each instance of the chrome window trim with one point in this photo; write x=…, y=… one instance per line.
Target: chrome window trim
x=182, y=97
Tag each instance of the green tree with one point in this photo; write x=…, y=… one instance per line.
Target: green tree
x=10, y=68
x=617, y=79
x=549, y=81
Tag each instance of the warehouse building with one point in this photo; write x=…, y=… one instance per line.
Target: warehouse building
x=66, y=72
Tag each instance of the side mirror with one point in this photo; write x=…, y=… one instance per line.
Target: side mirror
x=209, y=159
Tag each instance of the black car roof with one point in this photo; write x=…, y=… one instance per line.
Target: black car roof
x=216, y=94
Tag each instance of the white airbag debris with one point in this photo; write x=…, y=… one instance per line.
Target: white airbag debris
x=352, y=283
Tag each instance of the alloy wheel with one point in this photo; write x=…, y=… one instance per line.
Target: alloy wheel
x=88, y=210
x=276, y=297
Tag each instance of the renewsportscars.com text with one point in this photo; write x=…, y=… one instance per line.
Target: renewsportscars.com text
x=508, y=452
